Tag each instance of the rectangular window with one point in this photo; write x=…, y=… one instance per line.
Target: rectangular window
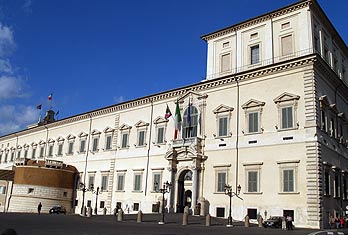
x=82, y=145
x=70, y=148
x=19, y=154
x=124, y=140
x=286, y=44
x=287, y=117
x=252, y=213
x=141, y=138
x=336, y=186
x=252, y=181
x=12, y=155
x=91, y=181
x=285, y=25
x=225, y=44
x=226, y=63
x=323, y=120
x=220, y=212
x=95, y=144
x=316, y=44
x=135, y=206
x=156, y=182
x=288, y=181
x=108, y=142
x=104, y=183
x=137, y=182
x=6, y=157
x=102, y=204
x=42, y=151
x=50, y=150
x=89, y=203
x=2, y=189
x=120, y=182
x=344, y=188
x=332, y=128
x=327, y=55
x=327, y=183
x=255, y=54
x=253, y=122
x=160, y=135
x=221, y=181
x=223, y=126
x=26, y=153
x=33, y=152
x=60, y=149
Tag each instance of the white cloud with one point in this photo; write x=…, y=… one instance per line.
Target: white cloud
x=11, y=87
x=118, y=99
x=14, y=118
x=5, y=66
x=7, y=44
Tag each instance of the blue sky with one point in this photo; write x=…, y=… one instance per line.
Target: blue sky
x=91, y=54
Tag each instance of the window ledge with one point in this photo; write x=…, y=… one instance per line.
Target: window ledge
x=222, y=137
x=253, y=133
x=288, y=193
x=137, y=191
x=256, y=193
x=220, y=193
x=120, y=191
x=287, y=129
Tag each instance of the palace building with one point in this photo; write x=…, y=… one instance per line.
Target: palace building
x=270, y=117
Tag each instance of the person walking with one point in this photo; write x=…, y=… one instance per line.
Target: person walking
x=39, y=208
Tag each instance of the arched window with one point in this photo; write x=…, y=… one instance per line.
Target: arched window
x=190, y=122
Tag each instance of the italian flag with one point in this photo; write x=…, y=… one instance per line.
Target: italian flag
x=177, y=120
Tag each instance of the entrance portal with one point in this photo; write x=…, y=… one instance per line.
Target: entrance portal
x=184, y=191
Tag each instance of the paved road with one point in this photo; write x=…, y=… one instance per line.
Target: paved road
x=30, y=224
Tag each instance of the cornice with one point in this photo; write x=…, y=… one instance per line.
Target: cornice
x=257, y=20
x=175, y=93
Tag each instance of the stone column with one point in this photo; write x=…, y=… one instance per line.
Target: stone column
x=170, y=203
x=194, y=188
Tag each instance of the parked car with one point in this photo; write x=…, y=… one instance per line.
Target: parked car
x=273, y=222
x=57, y=210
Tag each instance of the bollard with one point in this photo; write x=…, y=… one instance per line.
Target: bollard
x=89, y=211
x=140, y=217
x=120, y=215
x=104, y=211
x=84, y=211
x=185, y=219
x=208, y=220
x=246, y=222
x=260, y=220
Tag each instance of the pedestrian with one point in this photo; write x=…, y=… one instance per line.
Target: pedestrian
x=337, y=222
x=289, y=222
x=341, y=222
x=39, y=208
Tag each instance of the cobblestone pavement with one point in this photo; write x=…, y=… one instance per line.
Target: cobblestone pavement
x=28, y=224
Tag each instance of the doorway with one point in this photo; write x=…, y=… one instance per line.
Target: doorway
x=184, y=197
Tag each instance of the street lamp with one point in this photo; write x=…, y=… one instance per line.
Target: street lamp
x=230, y=193
x=96, y=192
x=165, y=189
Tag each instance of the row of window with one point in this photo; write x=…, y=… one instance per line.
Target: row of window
x=253, y=110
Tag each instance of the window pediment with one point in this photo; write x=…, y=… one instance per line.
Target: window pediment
x=223, y=109
x=95, y=132
x=34, y=144
x=108, y=130
x=252, y=104
x=286, y=97
x=141, y=124
x=125, y=127
x=42, y=142
x=342, y=116
x=83, y=134
x=333, y=108
x=60, y=139
x=19, y=147
x=50, y=141
x=70, y=137
x=160, y=120
x=25, y=146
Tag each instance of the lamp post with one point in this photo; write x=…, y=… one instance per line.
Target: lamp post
x=230, y=194
x=96, y=192
x=83, y=189
x=165, y=189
